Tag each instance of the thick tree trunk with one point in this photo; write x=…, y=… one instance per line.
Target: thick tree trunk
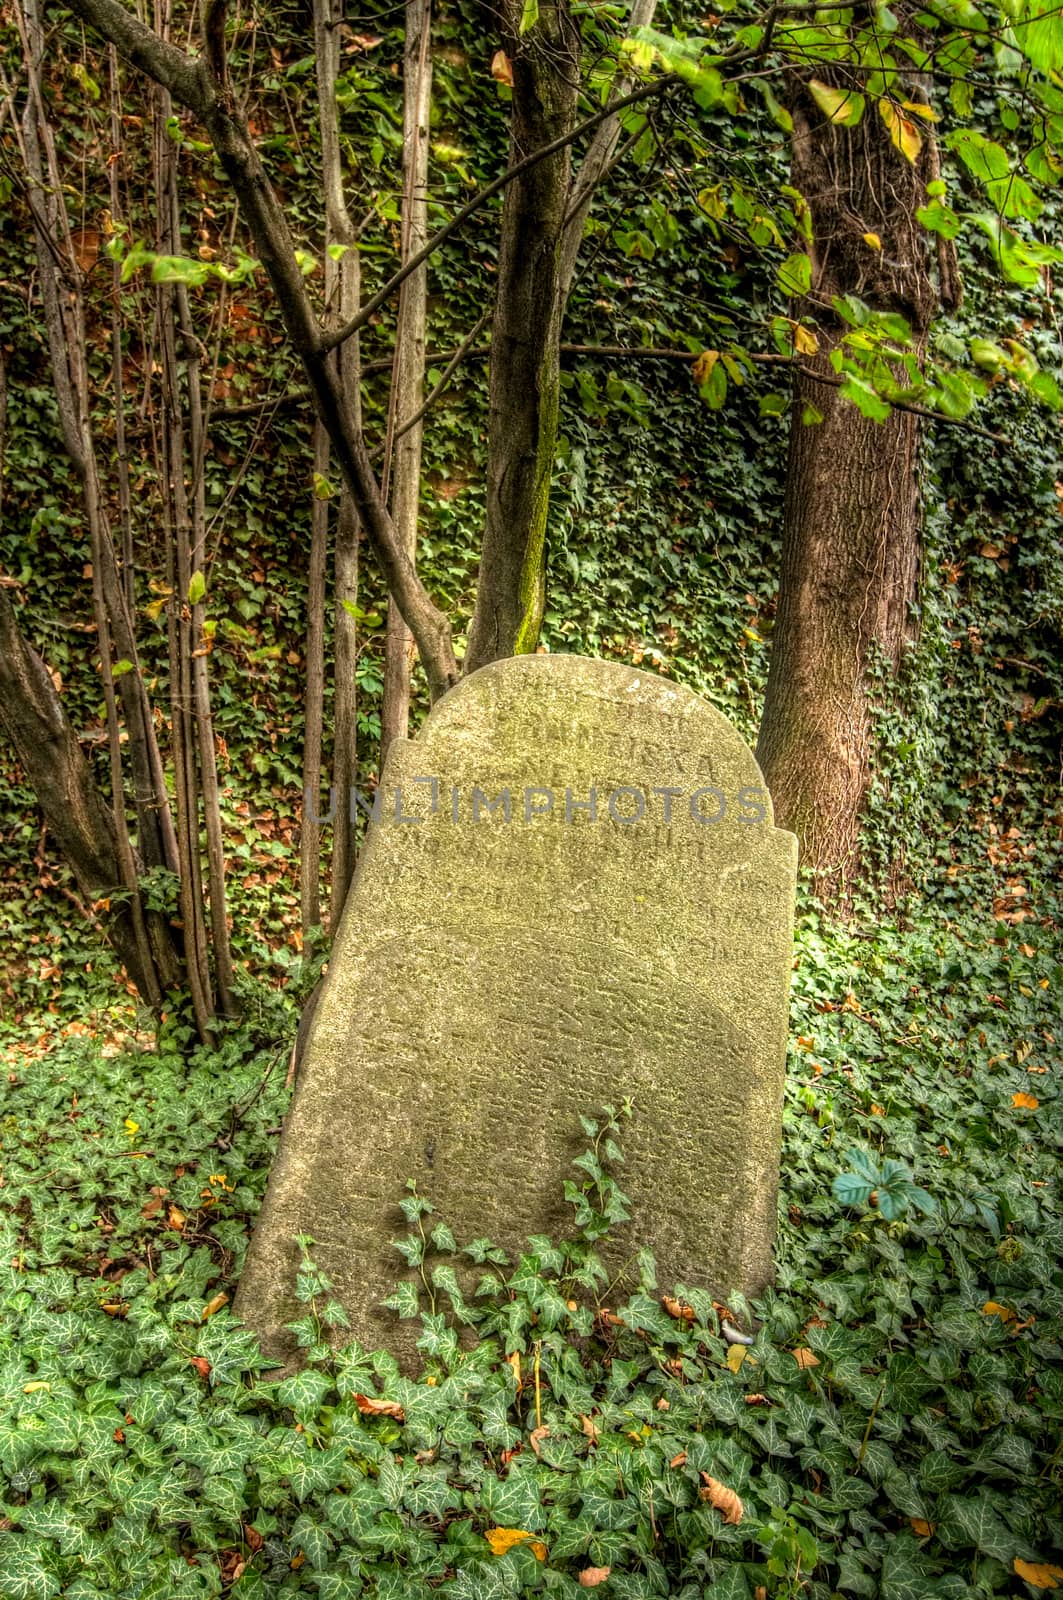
x=850, y=565
x=524, y=390
x=851, y=541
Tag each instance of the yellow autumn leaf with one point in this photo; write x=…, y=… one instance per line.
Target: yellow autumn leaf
x=132, y=1128
x=902, y=131
x=736, y=1354
x=924, y=111
x=806, y=344
x=503, y=1539
x=993, y=1309
x=1039, y=1573
x=1028, y=1102
x=32, y=1388
x=872, y=241
x=923, y=1529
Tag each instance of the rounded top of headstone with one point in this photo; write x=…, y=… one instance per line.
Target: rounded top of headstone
x=640, y=726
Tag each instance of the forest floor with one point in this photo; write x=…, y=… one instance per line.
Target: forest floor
x=895, y=1430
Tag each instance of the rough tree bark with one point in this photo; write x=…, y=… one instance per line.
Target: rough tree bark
x=851, y=538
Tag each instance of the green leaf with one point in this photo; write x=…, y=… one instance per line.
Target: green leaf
x=844, y=107
x=120, y=669
x=795, y=276
x=197, y=588
x=529, y=16
x=940, y=218
x=178, y=269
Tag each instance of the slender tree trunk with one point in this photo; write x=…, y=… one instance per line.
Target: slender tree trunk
x=342, y=294
x=314, y=698
x=524, y=385
x=78, y=817
x=407, y=386
x=851, y=540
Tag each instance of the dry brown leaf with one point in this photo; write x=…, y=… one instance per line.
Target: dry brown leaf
x=503, y=1539
x=502, y=68
x=216, y=1304
x=723, y=1499
x=663, y=1404
x=591, y=1577
x=680, y=1460
x=202, y=1365
x=756, y=1400
x=676, y=1309
x=1039, y=1573
x=923, y=1529
x=590, y=1428
x=805, y=1358
x=370, y=1406
x=760, y=1593
x=176, y=1218
x=536, y=1437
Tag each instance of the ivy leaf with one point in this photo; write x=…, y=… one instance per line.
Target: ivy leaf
x=197, y=588
x=795, y=276
x=529, y=16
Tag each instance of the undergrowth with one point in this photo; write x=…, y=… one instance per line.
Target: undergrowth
x=893, y=1429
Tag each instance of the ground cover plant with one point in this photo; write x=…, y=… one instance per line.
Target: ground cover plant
x=894, y=1429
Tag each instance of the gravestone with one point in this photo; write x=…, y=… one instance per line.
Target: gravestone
x=572, y=893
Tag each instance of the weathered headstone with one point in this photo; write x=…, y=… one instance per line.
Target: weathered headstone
x=573, y=893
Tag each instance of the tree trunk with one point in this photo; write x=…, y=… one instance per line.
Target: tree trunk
x=524, y=388
x=407, y=384
x=77, y=814
x=851, y=538
x=850, y=566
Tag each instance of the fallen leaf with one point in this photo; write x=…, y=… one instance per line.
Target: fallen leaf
x=757, y=1400
x=370, y=1406
x=1038, y=1573
x=202, y=1365
x=296, y=1562
x=723, y=1499
x=680, y=1460
x=216, y=1304
x=503, y=1539
x=591, y=1577
x=1028, y=1102
x=536, y=1437
x=175, y=1218
x=923, y=1529
x=993, y=1309
x=805, y=1358
x=878, y=1111
x=32, y=1388
x=589, y=1427
x=676, y=1309
x=736, y=1354
x=502, y=68
x=153, y=1206
x=252, y=1538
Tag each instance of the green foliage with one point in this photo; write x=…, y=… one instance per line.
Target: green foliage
x=143, y=1449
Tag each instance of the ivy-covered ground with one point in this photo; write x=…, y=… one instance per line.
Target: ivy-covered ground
x=894, y=1430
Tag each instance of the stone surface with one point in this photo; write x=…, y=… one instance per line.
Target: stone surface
x=495, y=978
